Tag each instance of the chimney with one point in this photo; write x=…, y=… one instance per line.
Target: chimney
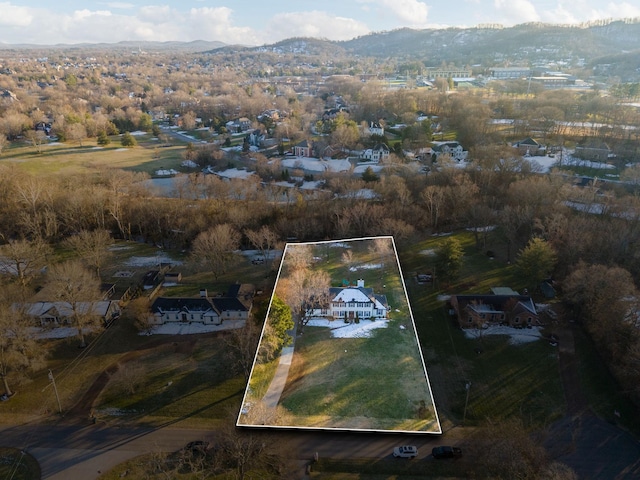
x=360, y=283
x=203, y=293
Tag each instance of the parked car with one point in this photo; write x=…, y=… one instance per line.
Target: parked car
x=198, y=446
x=445, y=451
x=405, y=451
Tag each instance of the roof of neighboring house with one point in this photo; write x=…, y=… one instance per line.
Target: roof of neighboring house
x=305, y=144
x=65, y=309
x=503, y=291
x=227, y=304
x=440, y=146
x=528, y=141
x=495, y=303
x=168, y=304
x=381, y=146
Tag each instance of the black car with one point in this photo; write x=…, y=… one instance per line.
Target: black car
x=446, y=452
x=198, y=446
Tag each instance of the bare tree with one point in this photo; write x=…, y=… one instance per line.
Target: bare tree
x=216, y=247
x=305, y=290
x=76, y=132
x=242, y=343
x=92, y=246
x=19, y=350
x=139, y=312
x=264, y=240
x=79, y=288
x=37, y=139
x=26, y=258
x=247, y=451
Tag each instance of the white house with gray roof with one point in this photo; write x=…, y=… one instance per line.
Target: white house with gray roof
x=353, y=302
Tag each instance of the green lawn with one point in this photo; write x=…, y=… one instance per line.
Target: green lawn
x=69, y=157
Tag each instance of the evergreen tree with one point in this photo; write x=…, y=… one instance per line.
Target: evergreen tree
x=128, y=140
x=103, y=138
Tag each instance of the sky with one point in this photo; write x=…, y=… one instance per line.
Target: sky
x=253, y=22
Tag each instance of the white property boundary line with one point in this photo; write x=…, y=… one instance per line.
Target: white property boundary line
x=245, y=405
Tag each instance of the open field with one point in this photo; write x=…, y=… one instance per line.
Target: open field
x=148, y=156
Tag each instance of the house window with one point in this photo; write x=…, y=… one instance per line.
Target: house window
x=470, y=319
x=482, y=316
x=529, y=320
x=517, y=320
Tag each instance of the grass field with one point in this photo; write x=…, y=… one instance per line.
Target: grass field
x=148, y=156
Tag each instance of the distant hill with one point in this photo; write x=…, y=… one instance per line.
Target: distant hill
x=471, y=45
x=194, y=46
x=598, y=43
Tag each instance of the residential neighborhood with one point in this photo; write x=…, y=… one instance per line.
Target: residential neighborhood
x=291, y=260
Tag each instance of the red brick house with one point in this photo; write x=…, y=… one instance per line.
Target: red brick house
x=474, y=311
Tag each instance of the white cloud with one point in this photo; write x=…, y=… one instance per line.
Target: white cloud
x=615, y=10
x=119, y=5
x=216, y=24
x=14, y=16
x=156, y=14
x=409, y=12
x=313, y=24
x=516, y=11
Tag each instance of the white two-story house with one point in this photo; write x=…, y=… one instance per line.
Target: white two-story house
x=350, y=303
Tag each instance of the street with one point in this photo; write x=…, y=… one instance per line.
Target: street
x=84, y=451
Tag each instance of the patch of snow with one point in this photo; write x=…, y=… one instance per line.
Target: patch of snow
x=97, y=148
x=165, y=173
x=444, y=298
x=339, y=329
x=367, y=266
x=234, y=173
x=193, y=328
x=360, y=169
x=121, y=149
x=189, y=164
x=138, y=133
x=339, y=245
x=430, y=252
x=489, y=228
x=516, y=335
x=150, y=261
x=317, y=165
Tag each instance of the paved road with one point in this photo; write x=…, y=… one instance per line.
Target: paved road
x=84, y=451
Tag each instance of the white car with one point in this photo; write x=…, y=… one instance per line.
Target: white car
x=405, y=451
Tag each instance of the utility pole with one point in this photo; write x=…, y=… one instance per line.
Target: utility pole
x=55, y=389
x=466, y=402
